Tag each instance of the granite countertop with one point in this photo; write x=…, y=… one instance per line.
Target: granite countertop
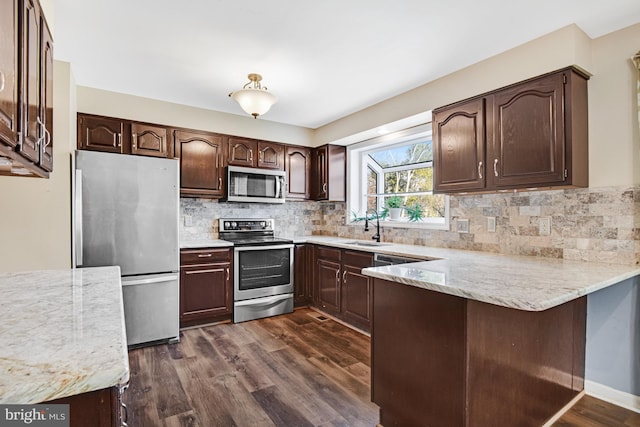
x=205, y=243
x=520, y=282
x=62, y=333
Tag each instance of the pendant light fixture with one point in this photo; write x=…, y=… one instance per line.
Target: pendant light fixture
x=253, y=98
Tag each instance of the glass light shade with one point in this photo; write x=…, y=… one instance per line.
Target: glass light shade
x=254, y=101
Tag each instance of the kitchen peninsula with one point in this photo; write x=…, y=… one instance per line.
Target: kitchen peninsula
x=471, y=338
x=62, y=340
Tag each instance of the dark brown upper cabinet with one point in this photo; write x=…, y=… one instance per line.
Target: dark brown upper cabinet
x=201, y=163
x=101, y=134
x=459, y=140
x=532, y=134
x=270, y=155
x=329, y=173
x=9, y=57
x=298, y=167
x=255, y=154
x=26, y=88
x=241, y=151
x=149, y=140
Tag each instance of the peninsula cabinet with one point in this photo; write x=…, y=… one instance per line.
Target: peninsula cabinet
x=99, y=408
x=528, y=135
x=201, y=163
x=297, y=164
x=26, y=89
x=206, y=293
x=443, y=360
x=329, y=173
x=341, y=289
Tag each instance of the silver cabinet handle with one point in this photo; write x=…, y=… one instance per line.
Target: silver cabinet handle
x=495, y=167
x=480, y=169
x=219, y=183
x=1, y=81
x=344, y=276
x=135, y=141
x=39, y=121
x=119, y=140
x=228, y=274
x=204, y=255
x=324, y=187
x=251, y=155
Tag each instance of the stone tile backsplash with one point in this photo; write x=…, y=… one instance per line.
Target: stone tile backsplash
x=599, y=224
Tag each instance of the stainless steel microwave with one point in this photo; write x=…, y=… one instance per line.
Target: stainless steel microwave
x=255, y=185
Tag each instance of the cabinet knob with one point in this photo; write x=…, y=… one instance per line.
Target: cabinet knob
x=495, y=167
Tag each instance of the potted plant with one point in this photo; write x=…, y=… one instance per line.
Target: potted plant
x=394, y=204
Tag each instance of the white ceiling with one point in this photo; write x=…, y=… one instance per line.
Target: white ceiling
x=323, y=59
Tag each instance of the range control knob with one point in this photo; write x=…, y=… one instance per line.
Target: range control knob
x=227, y=224
x=234, y=225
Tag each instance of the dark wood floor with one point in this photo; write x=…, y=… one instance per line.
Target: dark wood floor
x=291, y=370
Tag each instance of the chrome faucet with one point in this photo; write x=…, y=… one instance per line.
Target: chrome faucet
x=376, y=236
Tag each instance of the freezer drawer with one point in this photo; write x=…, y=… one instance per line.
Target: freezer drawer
x=151, y=307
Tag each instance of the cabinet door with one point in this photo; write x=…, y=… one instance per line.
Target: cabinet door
x=205, y=291
x=527, y=134
x=242, y=152
x=9, y=72
x=100, y=133
x=320, y=173
x=270, y=155
x=149, y=140
x=302, y=276
x=46, y=97
x=31, y=128
x=329, y=280
x=356, y=289
x=201, y=171
x=298, y=167
x=458, y=144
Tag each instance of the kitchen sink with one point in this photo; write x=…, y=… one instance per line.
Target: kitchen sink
x=367, y=244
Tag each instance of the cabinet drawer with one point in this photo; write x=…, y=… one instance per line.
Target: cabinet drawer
x=328, y=253
x=357, y=259
x=204, y=256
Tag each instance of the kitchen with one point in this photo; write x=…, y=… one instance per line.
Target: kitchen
x=42, y=207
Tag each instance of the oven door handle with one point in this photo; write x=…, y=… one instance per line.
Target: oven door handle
x=263, y=301
x=262, y=247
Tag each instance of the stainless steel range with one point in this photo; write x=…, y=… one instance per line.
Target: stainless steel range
x=262, y=266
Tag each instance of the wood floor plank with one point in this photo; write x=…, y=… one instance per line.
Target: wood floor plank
x=290, y=370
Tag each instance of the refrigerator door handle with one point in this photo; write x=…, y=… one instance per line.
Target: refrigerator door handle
x=161, y=279
x=78, y=215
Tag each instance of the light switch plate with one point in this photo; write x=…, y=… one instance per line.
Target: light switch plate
x=462, y=225
x=544, y=226
x=188, y=222
x=491, y=224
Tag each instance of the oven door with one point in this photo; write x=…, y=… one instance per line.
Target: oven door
x=262, y=271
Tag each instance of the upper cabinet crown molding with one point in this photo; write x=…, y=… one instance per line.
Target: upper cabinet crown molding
x=530, y=134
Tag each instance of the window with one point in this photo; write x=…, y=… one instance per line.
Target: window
x=396, y=167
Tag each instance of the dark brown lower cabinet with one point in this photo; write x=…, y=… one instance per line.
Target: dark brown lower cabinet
x=341, y=289
x=443, y=360
x=302, y=275
x=100, y=408
x=206, y=293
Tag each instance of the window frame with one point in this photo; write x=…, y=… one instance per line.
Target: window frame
x=358, y=163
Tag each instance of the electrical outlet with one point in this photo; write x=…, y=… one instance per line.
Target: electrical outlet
x=491, y=224
x=462, y=225
x=544, y=226
x=188, y=222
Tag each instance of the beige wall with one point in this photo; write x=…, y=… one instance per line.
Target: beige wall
x=114, y=104
x=613, y=135
x=36, y=214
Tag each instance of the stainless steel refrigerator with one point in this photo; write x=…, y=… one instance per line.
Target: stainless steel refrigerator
x=126, y=214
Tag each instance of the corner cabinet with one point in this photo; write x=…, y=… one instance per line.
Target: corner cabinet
x=201, y=163
x=329, y=169
x=531, y=134
x=26, y=89
x=206, y=293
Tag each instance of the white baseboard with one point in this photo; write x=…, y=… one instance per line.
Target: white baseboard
x=611, y=395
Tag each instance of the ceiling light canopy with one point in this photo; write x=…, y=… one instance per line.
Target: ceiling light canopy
x=253, y=98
